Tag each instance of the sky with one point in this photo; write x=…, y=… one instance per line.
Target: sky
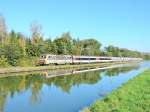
x=122, y=23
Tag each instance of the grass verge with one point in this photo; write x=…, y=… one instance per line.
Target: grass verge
x=133, y=96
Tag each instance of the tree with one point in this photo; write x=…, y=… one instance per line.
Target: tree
x=13, y=54
x=76, y=47
x=2, y=29
x=36, y=33
x=64, y=44
x=22, y=43
x=90, y=47
x=36, y=39
x=32, y=50
x=50, y=46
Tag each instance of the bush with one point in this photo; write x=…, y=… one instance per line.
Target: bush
x=3, y=61
x=30, y=61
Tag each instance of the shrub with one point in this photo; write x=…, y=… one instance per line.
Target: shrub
x=3, y=61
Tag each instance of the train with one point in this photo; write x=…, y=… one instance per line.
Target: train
x=46, y=59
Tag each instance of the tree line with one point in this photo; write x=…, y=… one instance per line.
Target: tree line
x=17, y=49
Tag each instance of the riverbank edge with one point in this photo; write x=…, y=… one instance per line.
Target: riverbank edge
x=133, y=96
x=53, y=67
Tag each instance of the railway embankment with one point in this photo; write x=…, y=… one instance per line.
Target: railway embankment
x=53, y=67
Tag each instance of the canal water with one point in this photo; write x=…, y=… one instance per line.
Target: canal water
x=63, y=90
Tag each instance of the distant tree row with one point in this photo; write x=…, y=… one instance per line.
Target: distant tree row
x=16, y=49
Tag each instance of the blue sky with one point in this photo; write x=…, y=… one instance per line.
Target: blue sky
x=123, y=23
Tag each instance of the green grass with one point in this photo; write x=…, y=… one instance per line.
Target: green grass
x=133, y=96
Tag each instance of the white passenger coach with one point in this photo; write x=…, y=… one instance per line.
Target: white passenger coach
x=46, y=59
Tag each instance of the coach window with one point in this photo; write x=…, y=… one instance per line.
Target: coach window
x=43, y=56
x=92, y=58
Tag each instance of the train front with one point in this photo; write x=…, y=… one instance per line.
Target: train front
x=42, y=60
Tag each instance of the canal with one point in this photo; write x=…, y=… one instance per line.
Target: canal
x=63, y=90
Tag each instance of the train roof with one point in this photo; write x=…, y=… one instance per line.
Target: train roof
x=84, y=56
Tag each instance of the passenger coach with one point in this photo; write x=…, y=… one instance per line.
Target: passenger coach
x=46, y=59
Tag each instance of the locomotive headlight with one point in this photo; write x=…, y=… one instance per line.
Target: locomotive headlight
x=45, y=62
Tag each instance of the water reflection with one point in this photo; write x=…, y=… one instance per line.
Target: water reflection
x=62, y=72
x=9, y=86
x=117, y=71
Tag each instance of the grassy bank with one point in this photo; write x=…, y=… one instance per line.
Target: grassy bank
x=134, y=96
